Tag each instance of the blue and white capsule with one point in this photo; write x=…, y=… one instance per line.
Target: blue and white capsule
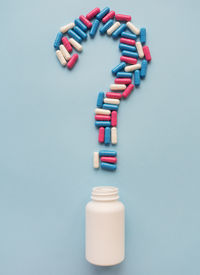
x=94, y=28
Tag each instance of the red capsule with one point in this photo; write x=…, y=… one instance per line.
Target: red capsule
x=129, y=60
x=101, y=134
x=67, y=45
x=113, y=95
x=147, y=53
x=102, y=117
x=93, y=13
x=85, y=21
x=72, y=61
x=128, y=90
x=127, y=41
x=114, y=118
x=123, y=80
x=109, y=159
x=108, y=16
x=122, y=17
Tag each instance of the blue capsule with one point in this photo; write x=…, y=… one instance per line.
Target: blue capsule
x=129, y=35
x=102, y=123
x=81, y=33
x=80, y=24
x=137, y=77
x=124, y=74
x=126, y=47
x=94, y=28
x=108, y=166
x=105, y=27
x=58, y=40
x=107, y=153
x=107, y=136
x=119, y=67
x=118, y=31
x=143, y=35
x=130, y=54
x=111, y=107
x=143, y=70
x=100, y=99
x=74, y=35
x=102, y=13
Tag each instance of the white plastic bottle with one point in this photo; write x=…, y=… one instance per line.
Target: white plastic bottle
x=105, y=227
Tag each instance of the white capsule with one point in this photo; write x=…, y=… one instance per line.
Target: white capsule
x=67, y=27
x=99, y=111
x=139, y=49
x=111, y=101
x=133, y=28
x=117, y=87
x=132, y=68
x=75, y=44
x=64, y=52
x=61, y=58
x=114, y=135
x=96, y=160
x=113, y=28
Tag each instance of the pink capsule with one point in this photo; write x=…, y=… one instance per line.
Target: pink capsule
x=85, y=21
x=109, y=159
x=101, y=134
x=108, y=16
x=113, y=95
x=122, y=17
x=72, y=61
x=147, y=53
x=129, y=60
x=93, y=13
x=67, y=45
x=127, y=41
x=128, y=90
x=114, y=118
x=123, y=80
x=102, y=117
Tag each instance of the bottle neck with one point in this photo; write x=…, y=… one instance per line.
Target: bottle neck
x=105, y=193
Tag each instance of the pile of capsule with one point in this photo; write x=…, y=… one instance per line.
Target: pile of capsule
x=107, y=158
x=128, y=73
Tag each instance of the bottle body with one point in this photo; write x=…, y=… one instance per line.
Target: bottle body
x=105, y=227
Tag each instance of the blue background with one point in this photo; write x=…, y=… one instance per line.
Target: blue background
x=48, y=137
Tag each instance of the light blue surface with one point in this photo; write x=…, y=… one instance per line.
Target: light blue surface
x=48, y=137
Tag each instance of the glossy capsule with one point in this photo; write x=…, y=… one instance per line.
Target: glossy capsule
x=129, y=35
x=143, y=70
x=137, y=77
x=107, y=137
x=72, y=61
x=101, y=134
x=100, y=99
x=111, y=107
x=126, y=47
x=118, y=68
x=67, y=27
x=128, y=90
x=133, y=28
x=80, y=24
x=124, y=74
x=130, y=54
x=113, y=28
x=122, y=17
x=147, y=53
x=109, y=159
x=102, y=13
x=118, y=31
x=107, y=17
x=107, y=153
x=81, y=33
x=114, y=118
x=74, y=35
x=127, y=41
x=102, y=117
x=143, y=35
x=85, y=21
x=105, y=27
x=131, y=68
x=114, y=135
x=94, y=28
x=123, y=80
x=111, y=100
x=128, y=60
x=67, y=45
x=108, y=166
x=92, y=13
x=58, y=39
x=113, y=95
x=102, y=123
